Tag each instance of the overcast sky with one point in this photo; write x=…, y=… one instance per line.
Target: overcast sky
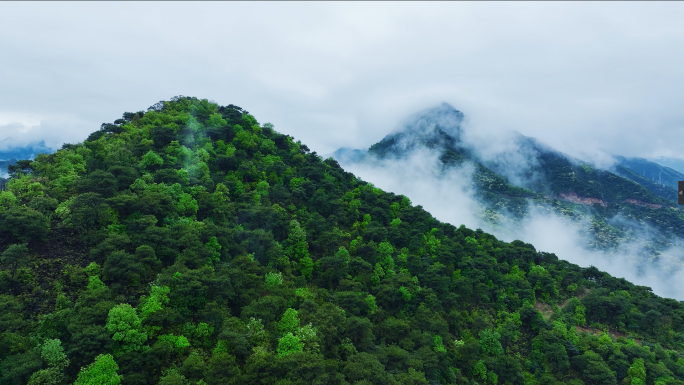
x=586, y=78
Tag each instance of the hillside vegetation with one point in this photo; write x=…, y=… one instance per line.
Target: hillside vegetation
x=190, y=244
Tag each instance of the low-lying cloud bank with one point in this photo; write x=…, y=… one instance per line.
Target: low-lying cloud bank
x=450, y=196
x=25, y=130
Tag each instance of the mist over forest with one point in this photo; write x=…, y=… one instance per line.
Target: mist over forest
x=413, y=165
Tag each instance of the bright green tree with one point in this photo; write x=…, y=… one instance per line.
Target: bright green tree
x=579, y=316
x=386, y=250
x=125, y=326
x=306, y=266
x=297, y=248
x=100, y=372
x=490, y=342
x=343, y=254
x=215, y=246
x=94, y=281
x=215, y=120
x=370, y=303
x=157, y=299
x=637, y=372
x=288, y=344
x=273, y=279
x=180, y=343
x=151, y=159
x=221, y=194
x=52, y=353
x=439, y=344
x=431, y=243
x=480, y=370
x=289, y=322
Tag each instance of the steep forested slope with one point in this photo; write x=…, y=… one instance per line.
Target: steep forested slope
x=190, y=244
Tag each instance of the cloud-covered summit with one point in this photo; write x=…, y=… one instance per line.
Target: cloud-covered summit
x=432, y=127
x=435, y=128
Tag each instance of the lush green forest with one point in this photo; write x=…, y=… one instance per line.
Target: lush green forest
x=189, y=244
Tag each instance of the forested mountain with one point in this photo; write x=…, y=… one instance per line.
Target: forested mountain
x=189, y=244
x=611, y=210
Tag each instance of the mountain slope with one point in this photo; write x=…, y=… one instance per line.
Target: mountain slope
x=194, y=245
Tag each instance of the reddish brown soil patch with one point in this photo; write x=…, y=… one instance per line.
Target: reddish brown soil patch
x=573, y=197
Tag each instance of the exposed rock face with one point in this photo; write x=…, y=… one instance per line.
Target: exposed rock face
x=573, y=197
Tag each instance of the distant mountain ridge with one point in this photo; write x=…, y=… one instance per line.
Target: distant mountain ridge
x=11, y=155
x=673, y=163
x=658, y=179
x=25, y=152
x=532, y=174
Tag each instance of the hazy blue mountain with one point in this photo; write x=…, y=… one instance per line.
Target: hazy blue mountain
x=673, y=163
x=348, y=155
x=12, y=154
x=26, y=152
x=660, y=180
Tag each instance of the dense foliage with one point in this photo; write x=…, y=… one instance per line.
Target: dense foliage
x=190, y=244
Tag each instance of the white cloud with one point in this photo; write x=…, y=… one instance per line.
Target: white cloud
x=22, y=129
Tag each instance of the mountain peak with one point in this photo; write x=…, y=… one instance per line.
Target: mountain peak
x=443, y=117
x=434, y=127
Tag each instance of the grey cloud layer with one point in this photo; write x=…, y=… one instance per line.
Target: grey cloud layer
x=586, y=78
